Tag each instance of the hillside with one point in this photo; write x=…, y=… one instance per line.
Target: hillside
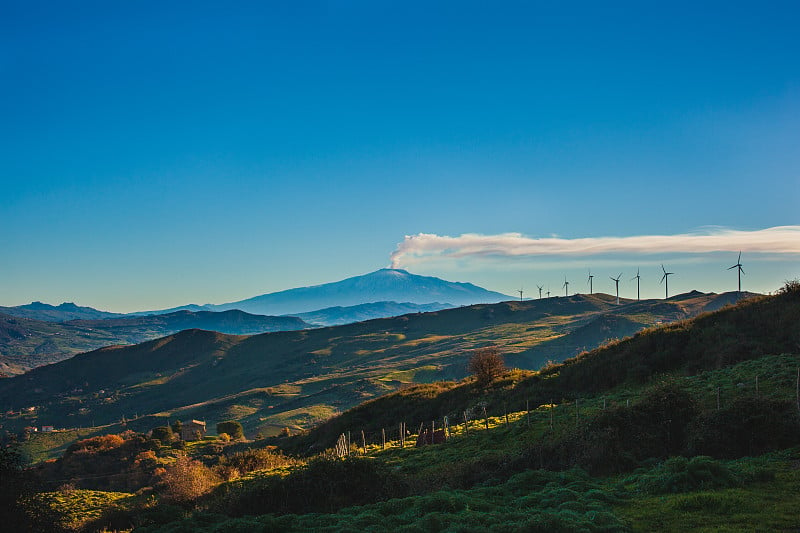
x=337, y=316
x=27, y=343
x=299, y=378
x=754, y=328
x=385, y=285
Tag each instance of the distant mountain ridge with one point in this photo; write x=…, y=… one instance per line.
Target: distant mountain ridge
x=337, y=316
x=57, y=313
x=381, y=286
x=385, y=285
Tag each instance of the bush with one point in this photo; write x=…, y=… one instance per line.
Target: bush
x=322, y=486
x=486, y=364
x=186, y=480
x=679, y=474
x=232, y=428
x=747, y=427
x=251, y=460
x=618, y=439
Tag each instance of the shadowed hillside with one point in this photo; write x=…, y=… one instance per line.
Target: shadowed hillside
x=750, y=330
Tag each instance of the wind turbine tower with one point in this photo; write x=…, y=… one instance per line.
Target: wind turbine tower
x=590, y=282
x=738, y=266
x=540, y=291
x=636, y=277
x=520, y=294
x=665, y=281
x=616, y=282
x=566, y=286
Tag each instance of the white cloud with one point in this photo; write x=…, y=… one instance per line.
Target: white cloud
x=423, y=247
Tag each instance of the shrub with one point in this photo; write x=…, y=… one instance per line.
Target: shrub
x=186, y=480
x=618, y=438
x=232, y=428
x=486, y=364
x=95, y=444
x=323, y=486
x=679, y=474
x=747, y=427
x=251, y=460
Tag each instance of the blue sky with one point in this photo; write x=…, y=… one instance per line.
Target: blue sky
x=153, y=155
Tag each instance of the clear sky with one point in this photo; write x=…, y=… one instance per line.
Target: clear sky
x=154, y=154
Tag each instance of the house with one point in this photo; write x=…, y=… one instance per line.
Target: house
x=47, y=429
x=193, y=430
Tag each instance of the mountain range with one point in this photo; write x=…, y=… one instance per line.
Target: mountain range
x=385, y=285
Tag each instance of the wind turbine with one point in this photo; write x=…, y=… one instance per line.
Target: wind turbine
x=616, y=282
x=665, y=280
x=636, y=277
x=738, y=266
x=520, y=294
x=590, y=282
x=540, y=291
x=566, y=286
x=548, y=292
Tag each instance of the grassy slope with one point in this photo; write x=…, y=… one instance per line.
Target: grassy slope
x=296, y=379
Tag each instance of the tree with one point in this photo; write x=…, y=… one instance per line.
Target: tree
x=232, y=428
x=176, y=428
x=163, y=433
x=486, y=364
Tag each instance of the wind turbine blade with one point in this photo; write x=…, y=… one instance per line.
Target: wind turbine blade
x=663, y=277
x=740, y=258
x=741, y=269
x=664, y=269
x=734, y=266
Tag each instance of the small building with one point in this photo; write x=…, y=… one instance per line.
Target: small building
x=193, y=430
x=47, y=429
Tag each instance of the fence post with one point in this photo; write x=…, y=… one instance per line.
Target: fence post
x=383, y=439
x=756, y=386
x=797, y=388
x=348, y=443
x=466, y=424
x=528, y=411
x=552, y=408
x=718, y=399
x=485, y=418
x=577, y=412
x=363, y=442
